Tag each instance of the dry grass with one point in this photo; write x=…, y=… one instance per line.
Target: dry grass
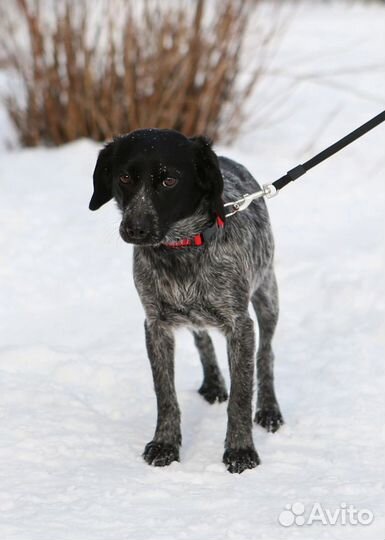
x=144, y=64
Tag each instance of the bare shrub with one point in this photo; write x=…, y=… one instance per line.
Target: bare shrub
x=132, y=65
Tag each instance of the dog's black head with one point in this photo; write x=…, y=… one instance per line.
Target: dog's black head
x=158, y=177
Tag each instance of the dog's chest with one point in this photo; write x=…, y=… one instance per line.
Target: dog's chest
x=185, y=297
x=188, y=294
x=179, y=290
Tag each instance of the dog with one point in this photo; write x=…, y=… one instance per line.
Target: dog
x=195, y=268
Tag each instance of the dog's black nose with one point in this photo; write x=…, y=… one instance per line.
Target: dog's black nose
x=135, y=232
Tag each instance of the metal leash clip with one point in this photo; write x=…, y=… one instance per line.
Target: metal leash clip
x=267, y=191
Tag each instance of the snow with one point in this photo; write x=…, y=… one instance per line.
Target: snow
x=76, y=400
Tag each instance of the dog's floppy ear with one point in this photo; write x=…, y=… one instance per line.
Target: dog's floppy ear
x=102, y=178
x=209, y=174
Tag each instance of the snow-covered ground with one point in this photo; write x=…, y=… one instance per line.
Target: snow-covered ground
x=76, y=398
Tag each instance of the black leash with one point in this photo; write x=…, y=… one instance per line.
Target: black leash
x=300, y=170
x=272, y=189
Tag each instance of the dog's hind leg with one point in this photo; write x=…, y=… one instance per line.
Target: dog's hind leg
x=265, y=303
x=213, y=386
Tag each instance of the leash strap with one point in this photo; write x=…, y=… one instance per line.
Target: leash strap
x=270, y=190
x=300, y=170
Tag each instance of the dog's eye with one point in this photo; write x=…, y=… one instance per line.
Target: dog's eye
x=169, y=182
x=125, y=179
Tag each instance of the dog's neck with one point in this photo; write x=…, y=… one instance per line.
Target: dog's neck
x=190, y=226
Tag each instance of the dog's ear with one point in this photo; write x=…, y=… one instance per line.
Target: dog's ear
x=102, y=178
x=209, y=174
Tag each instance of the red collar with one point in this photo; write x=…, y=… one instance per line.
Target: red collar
x=198, y=239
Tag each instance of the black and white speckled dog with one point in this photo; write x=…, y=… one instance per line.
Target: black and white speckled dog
x=191, y=270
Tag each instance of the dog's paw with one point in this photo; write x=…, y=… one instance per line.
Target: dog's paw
x=241, y=459
x=213, y=391
x=270, y=419
x=160, y=454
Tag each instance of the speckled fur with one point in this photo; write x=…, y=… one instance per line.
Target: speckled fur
x=212, y=286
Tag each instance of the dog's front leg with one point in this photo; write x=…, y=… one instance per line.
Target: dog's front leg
x=240, y=453
x=164, y=448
